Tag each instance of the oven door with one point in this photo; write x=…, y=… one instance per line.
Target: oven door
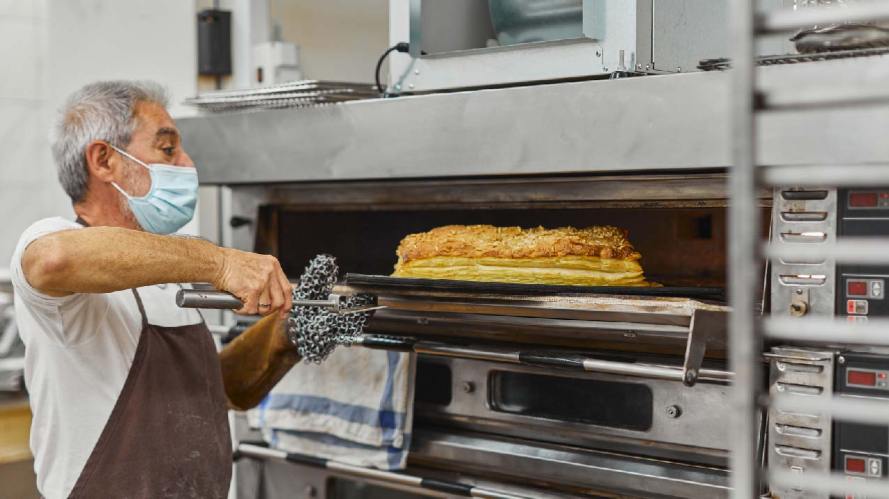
x=571, y=431
x=632, y=415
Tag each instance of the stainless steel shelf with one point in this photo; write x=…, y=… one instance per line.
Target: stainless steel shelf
x=671, y=122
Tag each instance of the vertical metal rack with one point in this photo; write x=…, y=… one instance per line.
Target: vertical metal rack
x=748, y=330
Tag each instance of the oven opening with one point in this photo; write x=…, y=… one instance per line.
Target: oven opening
x=433, y=383
x=679, y=246
x=602, y=403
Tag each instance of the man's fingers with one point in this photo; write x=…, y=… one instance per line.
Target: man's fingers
x=249, y=307
x=264, y=305
x=287, y=288
x=277, y=295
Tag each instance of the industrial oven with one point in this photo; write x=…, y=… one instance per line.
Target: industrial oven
x=550, y=392
x=541, y=390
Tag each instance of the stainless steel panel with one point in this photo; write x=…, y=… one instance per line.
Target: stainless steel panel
x=698, y=429
x=647, y=123
x=799, y=440
x=807, y=296
x=687, y=31
x=567, y=468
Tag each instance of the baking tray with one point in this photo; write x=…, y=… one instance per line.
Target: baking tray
x=377, y=283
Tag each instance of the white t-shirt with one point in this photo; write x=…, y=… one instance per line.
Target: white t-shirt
x=78, y=351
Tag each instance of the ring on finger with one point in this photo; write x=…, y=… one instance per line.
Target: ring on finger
x=265, y=304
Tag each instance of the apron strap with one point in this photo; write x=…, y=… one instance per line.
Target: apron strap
x=141, y=308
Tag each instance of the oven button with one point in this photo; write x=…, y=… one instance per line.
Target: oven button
x=876, y=289
x=856, y=307
x=874, y=467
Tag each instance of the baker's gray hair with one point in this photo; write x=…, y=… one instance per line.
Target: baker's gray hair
x=99, y=111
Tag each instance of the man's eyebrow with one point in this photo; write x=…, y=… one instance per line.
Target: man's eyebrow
x=166, y=132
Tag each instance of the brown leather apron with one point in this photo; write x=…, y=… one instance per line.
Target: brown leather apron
x=168, y=434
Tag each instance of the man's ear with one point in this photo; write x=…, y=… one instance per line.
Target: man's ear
x=100, y=161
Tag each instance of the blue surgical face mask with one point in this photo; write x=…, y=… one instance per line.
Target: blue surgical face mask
x=170, y=202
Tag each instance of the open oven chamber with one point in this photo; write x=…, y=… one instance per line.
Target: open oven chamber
x=631, y=422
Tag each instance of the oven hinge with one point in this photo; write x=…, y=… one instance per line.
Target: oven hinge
x=704, y=323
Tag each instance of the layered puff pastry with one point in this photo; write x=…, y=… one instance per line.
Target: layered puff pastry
x=593, y=256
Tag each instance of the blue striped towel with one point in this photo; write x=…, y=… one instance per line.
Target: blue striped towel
x=356, y=407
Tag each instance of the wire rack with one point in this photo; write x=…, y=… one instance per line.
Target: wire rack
x=302, y=93
x=751, y=103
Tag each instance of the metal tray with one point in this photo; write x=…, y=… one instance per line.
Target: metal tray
x=377, y=283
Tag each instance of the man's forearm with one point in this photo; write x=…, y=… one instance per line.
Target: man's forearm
x=106, y=259
x=255, y=361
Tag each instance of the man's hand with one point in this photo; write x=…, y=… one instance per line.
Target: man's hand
x=257, y=280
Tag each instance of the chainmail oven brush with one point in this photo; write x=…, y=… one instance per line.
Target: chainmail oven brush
x=316, y=331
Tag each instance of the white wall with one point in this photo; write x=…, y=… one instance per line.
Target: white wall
x=48, y=49
x=92, y=40
x=28, y=189
x=338, y=39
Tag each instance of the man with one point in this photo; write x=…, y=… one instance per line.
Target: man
x=127, y=391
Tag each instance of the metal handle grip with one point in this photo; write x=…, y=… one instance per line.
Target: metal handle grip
x=211, y=298
x=196, y=298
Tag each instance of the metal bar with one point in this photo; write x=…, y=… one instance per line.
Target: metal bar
x=835, y=484
x=823, y=97
x=826, y=175
x=743, y=217
x=851, y=409
x=628, y=369
x=567, y=361
x=824, y=330
x=196, y=298
x=784, y=20
x=415, y=483
x=857, y=250
x=441, y=350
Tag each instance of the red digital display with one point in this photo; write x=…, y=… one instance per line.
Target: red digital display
x=861, y=378
x=855, y=465
x=856, y=288
x=863, y=199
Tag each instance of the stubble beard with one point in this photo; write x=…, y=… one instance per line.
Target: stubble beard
x=130, y=180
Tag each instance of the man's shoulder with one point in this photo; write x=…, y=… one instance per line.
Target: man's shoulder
x=48, y=225
x=35, y=231
x=41, y=228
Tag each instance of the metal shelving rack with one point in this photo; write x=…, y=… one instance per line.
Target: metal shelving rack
x=746, y=254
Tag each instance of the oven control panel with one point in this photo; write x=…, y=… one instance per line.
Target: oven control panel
x=862, y=295
x=861, y=451
x=861, y=290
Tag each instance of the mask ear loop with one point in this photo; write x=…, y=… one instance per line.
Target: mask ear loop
x=130, y=156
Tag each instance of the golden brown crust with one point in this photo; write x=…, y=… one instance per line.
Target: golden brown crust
x=477, y=241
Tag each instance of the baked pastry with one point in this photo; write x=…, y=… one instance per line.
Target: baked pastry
x=594, y=256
